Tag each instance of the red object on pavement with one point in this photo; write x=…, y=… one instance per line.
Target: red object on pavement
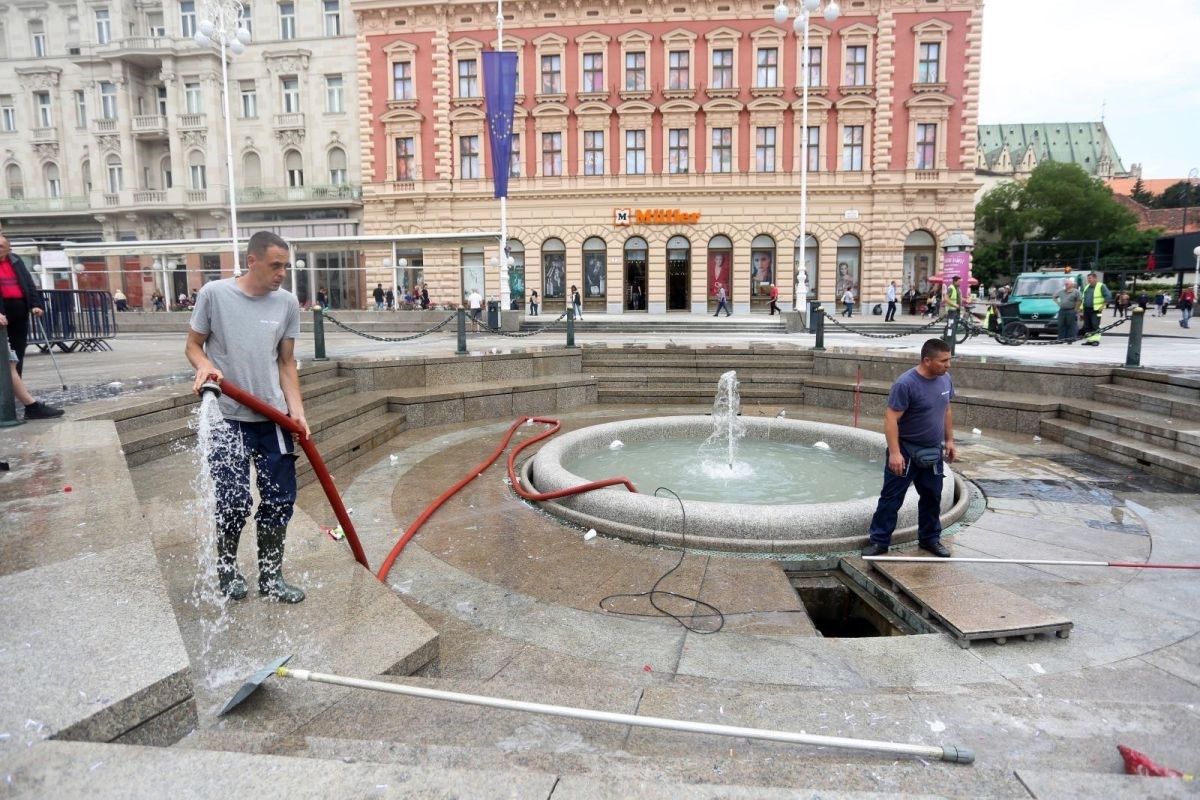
x=1139, y=764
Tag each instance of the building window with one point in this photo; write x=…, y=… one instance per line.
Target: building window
x=593, y=72
x=678, y=75
x=37, y=32
x=929, y=66
x=115, y=178
x=814, y=149
x=635, y=72
x=764, y=149
x=593, y=152
x=722, y=69
x=816, y=56
x=160, y=95
x=677, y=151
x=852, y=148
x=103, y=26
x=514, y=158
x=722, y=149
x=80, y=108
x=291, y=95
x=287, y=20
x=294, y=166
x=767, y=74
x=108, y=100
x=15, y=182
x=926, y=145
x=468, y=77
x=337, y=167
x=595, y=269
x=405, y=149
x=3, y=41
x=402, y=81
x=552, y=74
x=164, y=168
x=187, y=18
x=191, y=97
x=552, y=154
x=468, y=157
x=333, y=18
x=333, y=94
x=856, y=66
x=635, y=152
x=196, y=171
x=53, y=183
x=247, y=19
x=249, y=100
x=45, y=114
x=8, y=113
x=251, y=169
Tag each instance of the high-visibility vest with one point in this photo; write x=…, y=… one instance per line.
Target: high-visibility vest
x=953, y=296
x=1097, y=298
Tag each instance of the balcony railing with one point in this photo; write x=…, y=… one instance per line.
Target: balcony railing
x=41, y=205
x=150, y=123
x=146, y=196
x=141, y=43
x=192, y=121
x=106, y=125
x=112, y=200
x=289, y=120
x=45, y=135
x=275, y=194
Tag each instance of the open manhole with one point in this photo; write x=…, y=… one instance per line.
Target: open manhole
x=840, y=608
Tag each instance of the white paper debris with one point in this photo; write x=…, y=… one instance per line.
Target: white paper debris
x=821, y=446
x=937, y=726
x=591, y=534
x=1038, y=668
x=616, y=444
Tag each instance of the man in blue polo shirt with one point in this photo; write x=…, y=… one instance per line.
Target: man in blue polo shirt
x=918, y=424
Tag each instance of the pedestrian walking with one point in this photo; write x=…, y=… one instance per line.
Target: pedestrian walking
x=774, y=305
x=890, y=316
x=1187, y=298
x=722, y=301
x=848, y=302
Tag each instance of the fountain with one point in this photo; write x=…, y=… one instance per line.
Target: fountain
x=753, y=485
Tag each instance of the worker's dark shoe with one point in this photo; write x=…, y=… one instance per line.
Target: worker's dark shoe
x=270, y=567
x=39, y=410
x=232, y=584
x=875, y=549
x=937, y=548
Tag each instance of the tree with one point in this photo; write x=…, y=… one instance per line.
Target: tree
x=1057, y=202
x=1178, y=195
x=1140, y=194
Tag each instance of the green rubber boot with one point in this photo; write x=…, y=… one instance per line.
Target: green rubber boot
x=230, y=580
x=270, y=567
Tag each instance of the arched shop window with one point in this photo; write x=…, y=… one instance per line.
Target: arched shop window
x=516, y=273
x=920, y=251
x=636, y=252
x=554, y=269
x=595, y=268
x=849, y=262
x=762, y=267
x=720, y=268
x=811, y=271
x=679, y=273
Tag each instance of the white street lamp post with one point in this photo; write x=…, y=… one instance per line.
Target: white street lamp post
x=804, y=11
x=1196, y=274
x=221, y=23
x=504, y=259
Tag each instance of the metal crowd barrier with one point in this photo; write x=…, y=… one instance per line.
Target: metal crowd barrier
x=74, y=320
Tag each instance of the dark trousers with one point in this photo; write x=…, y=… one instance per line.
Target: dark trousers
x=774, y=306
x=891, y=312
x=725, y=305
x=928, y=481
x=1091, y=321
x=273, y=453
x=18, y=329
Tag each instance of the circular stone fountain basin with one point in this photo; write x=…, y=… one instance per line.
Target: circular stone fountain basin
x=825, y=527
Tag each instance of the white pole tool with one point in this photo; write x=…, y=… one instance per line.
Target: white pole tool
x=1038, y=562
x=952, y=753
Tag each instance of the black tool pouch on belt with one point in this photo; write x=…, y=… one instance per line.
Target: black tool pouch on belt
x=926, y=457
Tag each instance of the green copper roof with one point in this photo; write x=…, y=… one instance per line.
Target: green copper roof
x=1083, y=143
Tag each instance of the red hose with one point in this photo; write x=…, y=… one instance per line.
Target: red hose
x=857, y=393
x=240, y=395
x=516, y=484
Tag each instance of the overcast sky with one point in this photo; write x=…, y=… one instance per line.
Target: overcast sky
x=1061, y=60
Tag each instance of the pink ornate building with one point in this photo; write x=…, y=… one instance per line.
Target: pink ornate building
x=658, y=147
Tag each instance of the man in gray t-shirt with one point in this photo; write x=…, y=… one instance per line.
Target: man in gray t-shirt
x=244, y=329
x=1068, y=300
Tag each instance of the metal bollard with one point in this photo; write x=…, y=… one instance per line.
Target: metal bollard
x=462, y=333
x=813, y=306
x=8, y=400
x=948, y=334
x=1133, y=352
x=570, y=327
x=319, y=333
x=818, y=313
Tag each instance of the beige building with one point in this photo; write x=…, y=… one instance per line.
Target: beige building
x=112, y=129
x=658, y=147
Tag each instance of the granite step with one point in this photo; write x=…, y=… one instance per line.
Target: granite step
x=697, y=393
x=1163, y=462
x=1134, y=423
x=1147, y=397
x=352, y=443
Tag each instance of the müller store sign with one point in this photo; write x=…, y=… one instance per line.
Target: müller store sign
x=654, y=216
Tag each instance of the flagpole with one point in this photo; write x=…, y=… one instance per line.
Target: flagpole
x=502, y=257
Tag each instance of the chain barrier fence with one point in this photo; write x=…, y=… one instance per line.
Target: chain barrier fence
x=913, y=332
x=373, y=337
x=975, y=329
x=967, y=327
x=485, y=328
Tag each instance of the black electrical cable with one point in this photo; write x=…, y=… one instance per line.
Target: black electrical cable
x=685, y=622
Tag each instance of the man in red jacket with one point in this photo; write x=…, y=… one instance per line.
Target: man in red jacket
x=19, y=296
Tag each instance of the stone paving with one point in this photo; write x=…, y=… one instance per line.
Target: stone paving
x=514, y=595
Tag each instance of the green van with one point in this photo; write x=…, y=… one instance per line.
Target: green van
x=1034, y=291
